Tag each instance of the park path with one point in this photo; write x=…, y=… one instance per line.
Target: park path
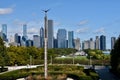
x=105, y=74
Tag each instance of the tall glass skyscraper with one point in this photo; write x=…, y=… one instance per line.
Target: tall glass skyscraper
x=102, y=42
x=4, y=32
x=41, y=37
x=61, y=37
x=70, y=39
x=25, y=31
x=50, y=33
x=113, y=40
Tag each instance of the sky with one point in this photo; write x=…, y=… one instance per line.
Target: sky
x=87, y=18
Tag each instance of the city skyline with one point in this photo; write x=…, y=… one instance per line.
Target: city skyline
x=86, y=18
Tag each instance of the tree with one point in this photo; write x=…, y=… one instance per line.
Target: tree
x=3, y=56
x=115, y=57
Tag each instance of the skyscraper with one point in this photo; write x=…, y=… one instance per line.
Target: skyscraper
x=50, y=33
x=17, y=39
x=41, y=37
x=4, y=32
x=113, y=40
x=91, y=44
x=24, y=32
x=55, y=43
x=85, y=44
x=61, y=37
x=102, y=42
x=77, y=43
x=29, y=43
x=36, y=41
x=70, y=39
x=97, y=42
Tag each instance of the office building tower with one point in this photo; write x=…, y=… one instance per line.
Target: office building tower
x=55, y=43
x=102, y=42
x=85, y=44
x=4, y=32
x=91, y=44
x=29, y=43
x=113, y=40
x=97, y=42
x=70, y=39
x=50, y=33
x=36, y=41
x=61, y=37
x=41, y=37
x=24, y=38
x=17, y=39
x=77, y=43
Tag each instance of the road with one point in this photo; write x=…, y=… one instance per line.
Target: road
x=105, y=74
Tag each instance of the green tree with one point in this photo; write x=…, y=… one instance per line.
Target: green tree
x=115, y=57
x=3, y=56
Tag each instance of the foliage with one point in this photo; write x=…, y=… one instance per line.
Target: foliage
x=3, y=55
x=54, y=71
x=115, y=57
x=97, y=54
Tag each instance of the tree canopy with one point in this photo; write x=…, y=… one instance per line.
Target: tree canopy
x=115, y=57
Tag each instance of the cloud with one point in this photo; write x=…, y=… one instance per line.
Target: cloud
x=17, y=22
x=83, y=22
x=33, y=31
x=99, y=31
x=57, y=23
x=82, y=30
x=5, y=11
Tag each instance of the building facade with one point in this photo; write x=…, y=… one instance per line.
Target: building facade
x=113, y=40
x=77, y=43
x=102, y=42
x=36, y=41
x=97, y=44
x=50, y=34
x=24, y=32
x=61, y=37
x=4, y=32
x=41, y=37
x=70, y=39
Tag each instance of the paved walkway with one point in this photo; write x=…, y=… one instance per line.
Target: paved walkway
x=105, y=74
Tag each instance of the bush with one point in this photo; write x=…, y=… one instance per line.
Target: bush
x=54, y=71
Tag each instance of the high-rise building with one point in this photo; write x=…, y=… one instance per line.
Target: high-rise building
x=24, y=32
x=50, y=33
x=102, y=42
x=4, y=32
x=17, y=39
x=61, y=37
x=85, y=44
x=29, y=43
x=113, y=40
x=77, y=43
x=36, y=41
x=97, y=42
x=41, y=37
x=91, y=44
x=55, y=43
x=70, y=39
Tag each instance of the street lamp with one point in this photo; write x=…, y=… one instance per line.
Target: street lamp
x=45, y=44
